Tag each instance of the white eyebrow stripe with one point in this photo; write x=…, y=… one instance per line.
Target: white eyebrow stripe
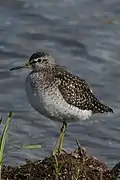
x=36, y=59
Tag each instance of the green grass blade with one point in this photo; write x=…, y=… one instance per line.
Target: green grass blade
x=36, y=146
x=18, y=148
x=9, y=152
x=3, y=137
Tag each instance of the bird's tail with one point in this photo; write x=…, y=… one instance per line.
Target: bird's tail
x=100, y=108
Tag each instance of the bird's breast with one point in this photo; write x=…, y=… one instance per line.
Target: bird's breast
x=50, y=103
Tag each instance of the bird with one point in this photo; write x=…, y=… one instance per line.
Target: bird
x=58, y=94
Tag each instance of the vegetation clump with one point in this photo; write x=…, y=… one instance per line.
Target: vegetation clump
x=70, y=166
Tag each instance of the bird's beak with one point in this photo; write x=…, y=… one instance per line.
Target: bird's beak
x=26, y=65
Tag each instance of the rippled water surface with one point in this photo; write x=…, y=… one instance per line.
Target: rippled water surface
x=84, y=36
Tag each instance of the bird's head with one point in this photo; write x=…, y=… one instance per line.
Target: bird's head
x=38, y=61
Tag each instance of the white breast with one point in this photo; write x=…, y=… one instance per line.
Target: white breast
x=51, y=104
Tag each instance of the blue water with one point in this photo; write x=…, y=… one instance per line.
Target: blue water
x=84, y=36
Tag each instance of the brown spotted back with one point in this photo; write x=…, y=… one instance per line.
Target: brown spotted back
x=77, y=92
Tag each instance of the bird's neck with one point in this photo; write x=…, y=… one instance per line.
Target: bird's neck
x=44, y=76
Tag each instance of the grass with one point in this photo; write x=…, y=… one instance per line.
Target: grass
x=3, y=137
x=77, y=174
x=57, y=168
x=3, y=140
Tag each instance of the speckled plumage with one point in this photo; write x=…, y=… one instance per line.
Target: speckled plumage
x=77, y=92
x=58, y=94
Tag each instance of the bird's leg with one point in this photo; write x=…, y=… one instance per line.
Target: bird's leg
x=58, y=147
x=62, y=133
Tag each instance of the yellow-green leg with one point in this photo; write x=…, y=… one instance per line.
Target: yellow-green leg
x=63, y=129
x=59, y=145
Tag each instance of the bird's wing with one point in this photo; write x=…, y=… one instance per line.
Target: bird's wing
x=77, y=92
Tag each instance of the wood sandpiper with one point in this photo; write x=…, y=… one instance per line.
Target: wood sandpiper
x=57, y=94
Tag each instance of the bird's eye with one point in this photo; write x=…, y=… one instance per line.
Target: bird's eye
x=39, y=60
